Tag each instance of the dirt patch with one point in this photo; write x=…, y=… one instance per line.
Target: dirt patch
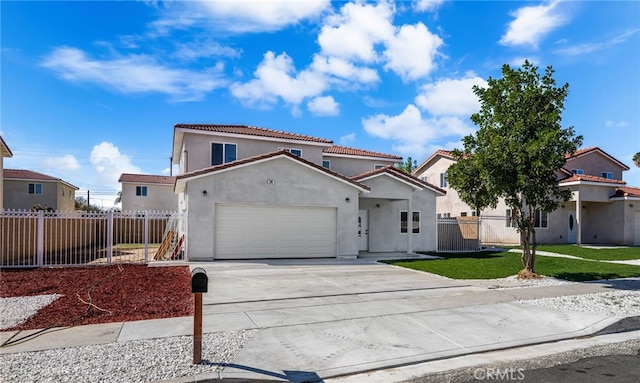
x=101, y=294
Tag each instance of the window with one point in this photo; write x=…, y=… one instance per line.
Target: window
x=577, y=171
x=376, y=167
x=416, y=222
x=404, y=222
x=443, y=180
x=463, y=214
x=446, y=215
x=63, y=192
x=295, y=152
x=541, y=219
x=511, y=218
x=424, y=178
x=35, y=188
x=607, y=175
x=221, y=153
x=474, y=214
x=326, y=164
x=141, y=191
x=438, y=216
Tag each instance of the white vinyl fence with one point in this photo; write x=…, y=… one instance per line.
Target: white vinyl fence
x=35, y=239
x=464, y=234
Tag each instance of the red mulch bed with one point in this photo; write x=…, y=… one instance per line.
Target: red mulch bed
x=119, y=293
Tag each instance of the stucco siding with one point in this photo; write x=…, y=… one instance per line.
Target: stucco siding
x=277, y=182
x=198, y=148
x=159, y=197
x=595, y=164
x=16, y=195
x=1, y=181
x=354, y=166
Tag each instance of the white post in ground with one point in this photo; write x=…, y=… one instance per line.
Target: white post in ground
x=109, y=236
x=40, y=234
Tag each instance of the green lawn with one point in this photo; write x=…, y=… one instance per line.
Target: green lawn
x=488, y=265
x=617, y=254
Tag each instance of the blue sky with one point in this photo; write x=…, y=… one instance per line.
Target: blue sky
x=90, y=90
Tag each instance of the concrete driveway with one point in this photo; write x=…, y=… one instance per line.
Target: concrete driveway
x=326, y=318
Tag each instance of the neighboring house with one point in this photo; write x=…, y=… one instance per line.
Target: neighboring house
x=258, y=193
x=4, y=152
x=148, y=192
x=602, y=210
x=24, y=189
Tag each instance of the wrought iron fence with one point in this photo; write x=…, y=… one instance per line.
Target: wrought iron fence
x=35, y=239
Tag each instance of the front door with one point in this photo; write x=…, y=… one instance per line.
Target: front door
x=363, y=230
x=572, y=227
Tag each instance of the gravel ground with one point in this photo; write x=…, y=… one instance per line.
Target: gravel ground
x=609, y=303
x=135, y=361
x=16, y=310
x=514, y=282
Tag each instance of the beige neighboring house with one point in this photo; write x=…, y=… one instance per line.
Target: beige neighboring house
x=4, y=152
x=24, y=189
x=252, y=192
x=602, y=210
x=148, y=192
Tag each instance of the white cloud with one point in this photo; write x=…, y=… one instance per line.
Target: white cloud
x=344, y=69
x=586, y=48
x=411, y=52
x=134, y=74
x=412, y=131
x=616, y=124
x=532, y=23
x=427, y=5
x=324, y=106
x=109, y=163
x=449, y=97
x=275, y=78
x=353, y=33
x=347, y=138
x=196, y=50
x=64, y=163
x=261, y=16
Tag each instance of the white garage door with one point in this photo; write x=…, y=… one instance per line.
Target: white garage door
x=255, y=231
x=636, y=228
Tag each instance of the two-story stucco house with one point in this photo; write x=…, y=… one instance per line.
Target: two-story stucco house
x=4, y=152
x=602, y=210
x=251, y=192
x=148, y=192
x=23, y=189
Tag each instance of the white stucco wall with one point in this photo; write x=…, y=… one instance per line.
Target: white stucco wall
x=198, y=148
x=351, y=166
x=387, y=199
x=293, y=185
x=159, y=197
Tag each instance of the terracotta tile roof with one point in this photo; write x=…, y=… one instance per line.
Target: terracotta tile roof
x=439, y=152
x=146, y=178
x=22, y=174
x=343, y=150
x=4, y=148
x=393, y=171
x=590, y=178
x=249, y=160
x=627, y=192
x=251, y=131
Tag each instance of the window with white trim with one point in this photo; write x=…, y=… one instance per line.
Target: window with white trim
x=223, y=152
x=511, y=218
x=541, y=220
x=295, y=152
x=326, y=164
x=404, y=222
x=415, y=218
x=607, y=175
x=424, y=178
x=377, y=166
x=577, y=171
x=443, y=180
x=35, y=188
x=463, y=214
x=141, y=191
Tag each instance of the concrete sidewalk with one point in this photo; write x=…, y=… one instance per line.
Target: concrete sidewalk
x=325, y=318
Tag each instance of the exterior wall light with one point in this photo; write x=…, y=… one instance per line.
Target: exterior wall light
x=348, y=199
x=204, y=193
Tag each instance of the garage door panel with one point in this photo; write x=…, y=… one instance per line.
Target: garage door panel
x=256, y=231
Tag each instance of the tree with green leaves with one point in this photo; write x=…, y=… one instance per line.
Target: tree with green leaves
x=518, y=148
x=407, y=165
x=636, y=159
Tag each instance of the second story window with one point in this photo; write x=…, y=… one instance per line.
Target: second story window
x=141, y=191
x=607, y=175
x=443, y=180
x=295, y=152
x=326, y=164
x=577, y=171
x=221, y=153
x=376, y=167
x=35, y=188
